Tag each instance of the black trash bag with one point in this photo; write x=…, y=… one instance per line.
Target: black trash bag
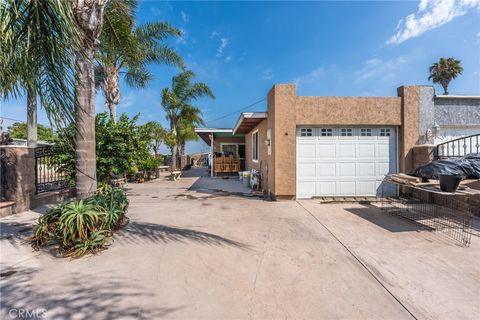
x=468, y=167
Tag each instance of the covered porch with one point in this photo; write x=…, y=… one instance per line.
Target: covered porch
x=227, y=150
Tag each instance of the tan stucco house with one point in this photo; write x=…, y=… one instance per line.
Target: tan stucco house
x=306, y=146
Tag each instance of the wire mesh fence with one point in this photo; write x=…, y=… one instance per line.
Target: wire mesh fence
x=448, y=214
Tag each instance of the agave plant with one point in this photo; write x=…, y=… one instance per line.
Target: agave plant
x=79, y=219
x=83, y=226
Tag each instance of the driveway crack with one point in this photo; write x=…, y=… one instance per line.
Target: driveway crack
x=259, y=266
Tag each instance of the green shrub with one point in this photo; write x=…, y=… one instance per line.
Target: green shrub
x=120, y=147
x=83, y=226
x=150, y=163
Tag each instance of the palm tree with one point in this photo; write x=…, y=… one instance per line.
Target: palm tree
x=88, y=20
x=444, y=71
x=34, y=62
x=177, y=100
x=126, y=49
x=191, y=117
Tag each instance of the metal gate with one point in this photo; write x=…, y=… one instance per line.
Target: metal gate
x=48, y=176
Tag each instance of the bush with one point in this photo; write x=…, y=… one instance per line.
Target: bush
x=150, y=163
x=83, y=226
x=120, y=147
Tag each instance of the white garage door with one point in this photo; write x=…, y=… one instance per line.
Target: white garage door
x=344, y=161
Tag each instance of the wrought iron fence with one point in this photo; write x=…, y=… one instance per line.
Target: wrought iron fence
x=458, y=147
x=48, y=176
x=3, y=174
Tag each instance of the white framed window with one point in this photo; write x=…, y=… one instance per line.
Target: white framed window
x=326, y=132
x=306, y=132
x=385, y=132
x=255, y=146
x=366, y=132
x=346, y=132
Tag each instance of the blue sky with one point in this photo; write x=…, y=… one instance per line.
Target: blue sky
x=346, y=48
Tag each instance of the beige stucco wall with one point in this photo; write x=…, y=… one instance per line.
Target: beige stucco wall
x=286, y=111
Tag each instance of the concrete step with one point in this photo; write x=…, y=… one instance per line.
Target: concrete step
x=6, y=208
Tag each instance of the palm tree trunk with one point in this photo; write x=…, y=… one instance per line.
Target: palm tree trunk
x=111, y=90
x=86, y=166
x=89, y=19
x=32, y=134
x=174, y=147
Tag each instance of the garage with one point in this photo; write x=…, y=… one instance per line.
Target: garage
x=344, y=161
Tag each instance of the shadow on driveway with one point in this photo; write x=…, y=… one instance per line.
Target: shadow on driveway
x=140, y=232
x=76, y=296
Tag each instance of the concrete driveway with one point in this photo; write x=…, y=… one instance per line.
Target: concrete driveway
x=207, y=255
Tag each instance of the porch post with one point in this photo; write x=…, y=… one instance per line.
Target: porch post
x=212, y=163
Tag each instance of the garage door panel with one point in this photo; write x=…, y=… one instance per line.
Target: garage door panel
x=346, y=169
x=326, y=150
x=346, y=188
x=345, y=165
x=366, y=169
x=326, y=188
x=383, y=150
x=366, y=188
x=366, y=150
x=326, y=169
x=306, y=189
x=346, y=150
x=307, y=150
x=307, y=170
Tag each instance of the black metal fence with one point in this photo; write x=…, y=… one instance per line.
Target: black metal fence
x=458, y=147
x=3, y=174
x=446, y=214
x=48, y=176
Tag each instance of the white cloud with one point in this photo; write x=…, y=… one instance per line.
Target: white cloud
x=311, y=77
x=379, y=69
x=430, y=15
x=184, y=16
x=267, y=74
x=228, y=58
x=127, y=101
x=223, y=45
x=214, y=34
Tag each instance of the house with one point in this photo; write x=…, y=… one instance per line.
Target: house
x=306, y=146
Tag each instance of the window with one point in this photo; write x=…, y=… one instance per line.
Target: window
x=346, y=132
x=366, y=132
x=229, y=149
x=384, y=132
x=255, y=146
x=304, y=132
x=326, y=132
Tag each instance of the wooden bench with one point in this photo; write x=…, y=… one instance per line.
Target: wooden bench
x=175, y=175
x=163, y=168
x=119, y=182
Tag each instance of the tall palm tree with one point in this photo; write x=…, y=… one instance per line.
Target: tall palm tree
x=88, y=20
x=178, y=99
x=126, y=49
x=444, y=71
x=35, y=62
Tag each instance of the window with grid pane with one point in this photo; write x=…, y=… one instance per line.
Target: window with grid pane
x=366, y=132
x=346, y=132
x=326, y=132
x=306, y=132
x=384, y=132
